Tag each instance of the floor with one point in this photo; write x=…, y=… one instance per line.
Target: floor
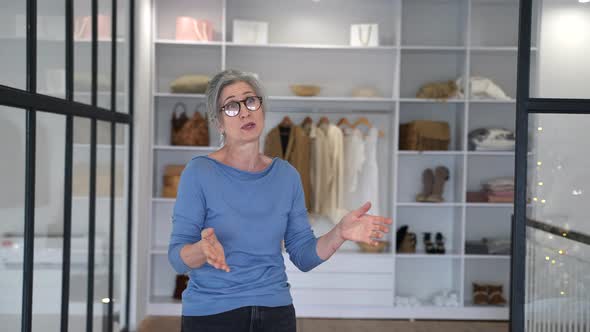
x=172, y=324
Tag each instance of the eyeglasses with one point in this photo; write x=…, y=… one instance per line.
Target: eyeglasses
x=233, y=108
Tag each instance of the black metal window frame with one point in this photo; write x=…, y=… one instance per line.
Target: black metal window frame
x=525, y=106
x=31, y=102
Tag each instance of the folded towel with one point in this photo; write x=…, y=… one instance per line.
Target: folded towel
x=506, y=193
x=500, y=199
x=500, y=181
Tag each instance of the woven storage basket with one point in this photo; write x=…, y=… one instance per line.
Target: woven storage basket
x=424, y=135
x=171, y=180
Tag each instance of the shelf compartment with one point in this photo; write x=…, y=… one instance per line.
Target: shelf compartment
x=174, y=61
x=162, y=158
x=499, y=67
x=162, y=279
x=163, y=122
x=423, y=278
x=444, y=220
x=453, y=114
x=188, y=43
x=419, y=67
x=166, y=15
x=434, y=22
x=482, y=168
x=486, y=271
x=337, y=73
x=161, y=226
x=409, y=177
x=495, y=23
x=304, y=22
x=487, y=222
x=316, y=46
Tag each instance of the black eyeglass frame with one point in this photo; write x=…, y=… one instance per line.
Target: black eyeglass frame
x=240, y=102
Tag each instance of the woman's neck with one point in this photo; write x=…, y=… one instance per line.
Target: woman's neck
x=243, y=156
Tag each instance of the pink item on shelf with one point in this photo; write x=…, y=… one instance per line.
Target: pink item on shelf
x=500, y=199
x=83, y=27
x=502, y=193
x=476, y=197
x=188, y=28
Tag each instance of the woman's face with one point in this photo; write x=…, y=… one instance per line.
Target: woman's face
x=247, y=125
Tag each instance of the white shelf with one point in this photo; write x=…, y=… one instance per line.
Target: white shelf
x=331, y=99
x=432, y=48
x=178, y=95
x=489, y=205
x=431, y=101
x=430, y=153
x=498, y=49
x=164, y=42
x=491, y=101
x=428, y=256
x=491, y=153
x=163, y=200
x=429, y=205
x=488, y=257
x=185, y=148
x=315, y=46
x=99, y=146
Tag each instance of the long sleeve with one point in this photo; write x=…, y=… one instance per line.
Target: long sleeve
x=300, y=242
x=187, y=219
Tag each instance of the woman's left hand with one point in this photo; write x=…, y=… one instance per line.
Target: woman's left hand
x=361, y=227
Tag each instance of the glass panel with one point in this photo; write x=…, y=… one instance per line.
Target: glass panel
x=120, y=246
x=122, y=56
x=558, y=244
x=12, y=214
x=80, y=215
x=82, y=51
x=13, y=32
x=561, y=68
x=103, y=201
x=104, y=53
x=51, y=48
x=49, y=203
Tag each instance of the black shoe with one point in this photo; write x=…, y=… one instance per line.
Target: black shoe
x=428, y=244
x=439, y=243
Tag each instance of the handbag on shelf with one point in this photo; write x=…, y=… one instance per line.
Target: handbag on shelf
x=424, y=135
x=189, y=131
x=189, y=84
x=171, y=180
x=181, y=284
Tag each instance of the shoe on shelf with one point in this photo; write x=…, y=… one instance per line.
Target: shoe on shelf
x=495, y=296
x=428, y=244
x=439, y=246
x=427, y=183
x=441, y=175
x=480, y=294
x=406, y=241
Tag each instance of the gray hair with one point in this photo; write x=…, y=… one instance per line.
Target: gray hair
x=220, y=81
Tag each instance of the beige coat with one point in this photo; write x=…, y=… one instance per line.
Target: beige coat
x=328, y=171
x=297, y=154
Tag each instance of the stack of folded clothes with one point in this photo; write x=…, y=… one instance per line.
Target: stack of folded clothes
x=498, y=190
x=491, y=139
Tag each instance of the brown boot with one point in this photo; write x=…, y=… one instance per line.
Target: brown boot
x=427, y=181
x=480, y=294
x=495, y=296
x=441, y=175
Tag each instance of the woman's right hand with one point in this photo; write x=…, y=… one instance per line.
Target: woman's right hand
x=213, y=250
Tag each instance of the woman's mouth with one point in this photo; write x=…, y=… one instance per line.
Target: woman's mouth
x=249, y=126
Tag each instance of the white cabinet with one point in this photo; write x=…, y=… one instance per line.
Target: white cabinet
x=420, y=41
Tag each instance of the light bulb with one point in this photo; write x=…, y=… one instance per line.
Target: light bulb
x=540, y=183
x=538, y=162
x=540, y=129
x=562, y=293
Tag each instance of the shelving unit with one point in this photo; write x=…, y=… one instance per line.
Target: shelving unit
x=420, y=41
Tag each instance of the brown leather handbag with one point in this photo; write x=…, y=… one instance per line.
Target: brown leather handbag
x=185, y=131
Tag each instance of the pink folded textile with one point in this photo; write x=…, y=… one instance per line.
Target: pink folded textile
x=500, y=199
x=508, y=193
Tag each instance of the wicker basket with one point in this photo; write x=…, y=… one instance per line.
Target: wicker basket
x=171, y=180
x=302, y=90
x=370, y=249
x=424, y=135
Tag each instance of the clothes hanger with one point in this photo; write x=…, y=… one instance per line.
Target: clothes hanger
x=323, y=120
x=364, y=121
x=344, y=122
x=286, y=123
x=306, y=121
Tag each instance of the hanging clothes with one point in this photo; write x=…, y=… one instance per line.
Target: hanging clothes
x=366, y=188
x=296, y=151
x=310, y=131
x=329, y=171
x=354, y=159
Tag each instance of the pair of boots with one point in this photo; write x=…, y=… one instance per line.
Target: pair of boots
x=434, y=184
x=488, y=294
x=436, y=247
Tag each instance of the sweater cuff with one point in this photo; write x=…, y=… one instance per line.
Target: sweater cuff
x=175, y=260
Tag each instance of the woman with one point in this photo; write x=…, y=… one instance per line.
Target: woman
x=233, y=210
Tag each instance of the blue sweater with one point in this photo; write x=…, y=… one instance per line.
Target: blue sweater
x=251, y=212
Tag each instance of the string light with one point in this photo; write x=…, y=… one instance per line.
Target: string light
x=540, y=183
x=540, y=129
x=535, y=199
x=562, y=293
x=543, y=201
x=547, y=258
x=553, y=261
x=560, y=252
x=539, y=163
x=564, y=234
x=106, y=300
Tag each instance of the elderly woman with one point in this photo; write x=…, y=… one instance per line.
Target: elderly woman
x=233, y=209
